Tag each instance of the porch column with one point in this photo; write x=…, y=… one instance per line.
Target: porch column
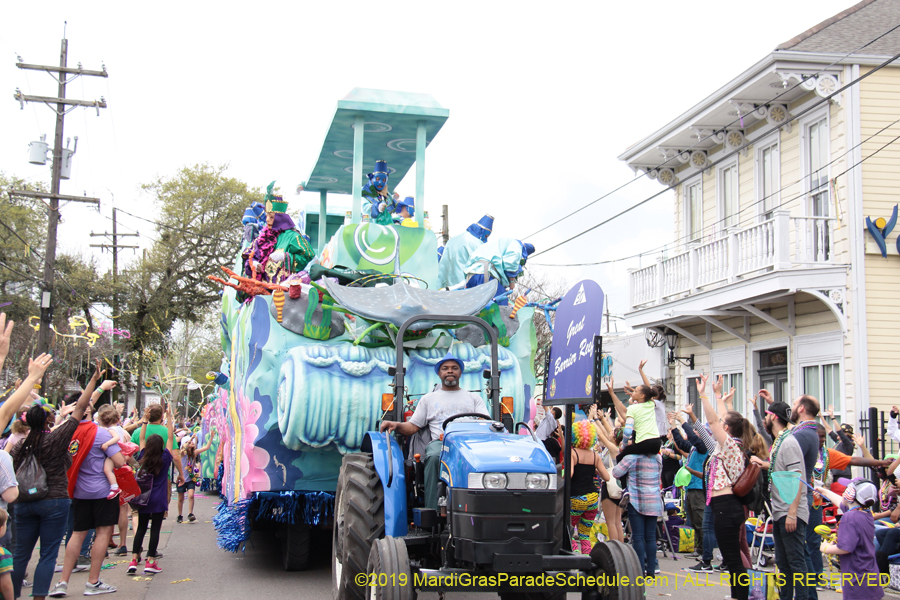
x=693, y=267
x=733, y=258
x=660, y=281
x=323, y=219
x=420, y=173
x=782, y=241
x=359, y=126
x=631, y=273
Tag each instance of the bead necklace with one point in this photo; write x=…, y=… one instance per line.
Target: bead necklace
x=820, y=470
x=803, y=426
x=773, y=453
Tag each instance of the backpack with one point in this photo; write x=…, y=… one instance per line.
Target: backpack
x=32, y=480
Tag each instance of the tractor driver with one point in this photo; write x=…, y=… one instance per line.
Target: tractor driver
x=433, y=409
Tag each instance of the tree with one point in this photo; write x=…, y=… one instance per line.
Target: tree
x=199, y=229
x=544, y=289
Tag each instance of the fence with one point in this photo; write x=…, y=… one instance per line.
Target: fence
x=873, y=425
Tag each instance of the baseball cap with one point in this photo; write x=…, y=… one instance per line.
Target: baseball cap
x=780, y=410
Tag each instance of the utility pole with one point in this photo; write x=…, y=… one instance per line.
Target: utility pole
x=115, y=273
x=63, y=71
x=445, y=227
x=115, y=252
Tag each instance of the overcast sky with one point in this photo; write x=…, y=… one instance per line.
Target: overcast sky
x=542, y=98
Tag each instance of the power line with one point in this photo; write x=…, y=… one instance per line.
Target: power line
x=728, y=155
x=714, y=224
x=695, y=144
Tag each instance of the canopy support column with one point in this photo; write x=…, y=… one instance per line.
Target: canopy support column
x=359, y=127
x=420, y=173
x=323, y=220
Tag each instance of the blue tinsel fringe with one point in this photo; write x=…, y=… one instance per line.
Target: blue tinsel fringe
x=312, y=508
x=232, y=524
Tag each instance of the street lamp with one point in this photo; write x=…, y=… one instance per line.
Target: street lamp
x=671, y=340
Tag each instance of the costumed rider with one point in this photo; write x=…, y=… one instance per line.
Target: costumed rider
x=502, y=259
x=433, y=409
x=280, y=250
x=379, y=203
x=459, y=248
x=254, y=220
x=406, y=211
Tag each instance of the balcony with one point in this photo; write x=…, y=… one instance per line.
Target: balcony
x=780, y=244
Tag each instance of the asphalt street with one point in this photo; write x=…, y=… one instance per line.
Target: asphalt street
x=195, y=569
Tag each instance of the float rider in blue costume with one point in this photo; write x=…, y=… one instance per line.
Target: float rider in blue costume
x=456, y=252
x=502, y=259
x=379, y=203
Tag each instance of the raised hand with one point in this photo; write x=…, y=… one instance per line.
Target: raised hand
x=701, y=384
x=767, y=396
x=860, y=440
x=641, y=366
x=752, y=400
x=5, y=334
x=830, y=412
x=38, y=366
x=718, y=385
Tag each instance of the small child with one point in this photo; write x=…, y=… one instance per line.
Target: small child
x=856, y=540
x=641, y=418
x=109, y=419
x=6, y=562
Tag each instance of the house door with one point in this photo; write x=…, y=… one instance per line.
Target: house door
x=773, y=376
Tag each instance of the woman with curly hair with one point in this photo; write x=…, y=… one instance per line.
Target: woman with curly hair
x=585, y=496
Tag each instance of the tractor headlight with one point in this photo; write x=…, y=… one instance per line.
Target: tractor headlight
x=494, y=481
x=537, y=481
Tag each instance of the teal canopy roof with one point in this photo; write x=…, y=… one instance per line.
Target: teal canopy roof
x=390, y=134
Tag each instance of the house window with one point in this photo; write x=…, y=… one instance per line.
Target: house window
x=767, y=165
x=824, y=382
x=818, y=229
x=736, y=381
x=728, y=192
x=693, y=199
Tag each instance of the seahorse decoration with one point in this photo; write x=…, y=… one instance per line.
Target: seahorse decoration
x=880, y=229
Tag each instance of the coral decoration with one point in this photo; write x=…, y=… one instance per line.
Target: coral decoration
x=278, y=301
x=251, y=287
x=294, y=291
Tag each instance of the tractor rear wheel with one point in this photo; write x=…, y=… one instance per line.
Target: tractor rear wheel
x=295, y=547
x=358, y=522
x=387, y=569
x=615, y=558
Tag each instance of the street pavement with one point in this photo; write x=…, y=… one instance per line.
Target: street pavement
x=194, y=568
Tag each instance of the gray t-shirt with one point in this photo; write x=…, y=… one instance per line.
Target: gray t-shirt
x=789, y=458
x=7, y=475
x=439, y=405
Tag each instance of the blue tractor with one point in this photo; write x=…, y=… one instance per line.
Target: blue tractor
x=502, y=520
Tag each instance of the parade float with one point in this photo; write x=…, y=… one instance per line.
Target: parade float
x=310, y=335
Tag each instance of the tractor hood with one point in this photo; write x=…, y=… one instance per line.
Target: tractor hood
x=477, y=448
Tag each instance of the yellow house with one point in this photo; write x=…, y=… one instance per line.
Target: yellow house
x=775, y=281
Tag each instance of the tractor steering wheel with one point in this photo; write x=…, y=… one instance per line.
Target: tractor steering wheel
x=461, y=415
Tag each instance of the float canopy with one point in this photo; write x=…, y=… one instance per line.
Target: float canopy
x=391, y=124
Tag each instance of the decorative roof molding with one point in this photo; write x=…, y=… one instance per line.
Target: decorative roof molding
x=823, y=84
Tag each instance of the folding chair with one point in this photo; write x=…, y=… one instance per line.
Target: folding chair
x=761, y=533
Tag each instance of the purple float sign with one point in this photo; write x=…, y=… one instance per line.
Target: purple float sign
x=578, y=320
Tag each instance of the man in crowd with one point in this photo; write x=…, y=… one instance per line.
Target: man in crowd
x=433, y=409
x=790, y=515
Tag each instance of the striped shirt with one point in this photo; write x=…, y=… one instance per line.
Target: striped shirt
x=6, y=561
x=643, y=482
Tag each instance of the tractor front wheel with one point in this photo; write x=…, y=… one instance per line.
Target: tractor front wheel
x=388, y=571
x=617, y=559
x=358, y=523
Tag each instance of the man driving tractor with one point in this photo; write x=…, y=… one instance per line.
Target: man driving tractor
x=433, y=409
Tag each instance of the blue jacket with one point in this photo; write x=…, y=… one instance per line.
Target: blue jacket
x=698, y=455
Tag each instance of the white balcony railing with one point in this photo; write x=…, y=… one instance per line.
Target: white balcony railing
x=739, y=255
